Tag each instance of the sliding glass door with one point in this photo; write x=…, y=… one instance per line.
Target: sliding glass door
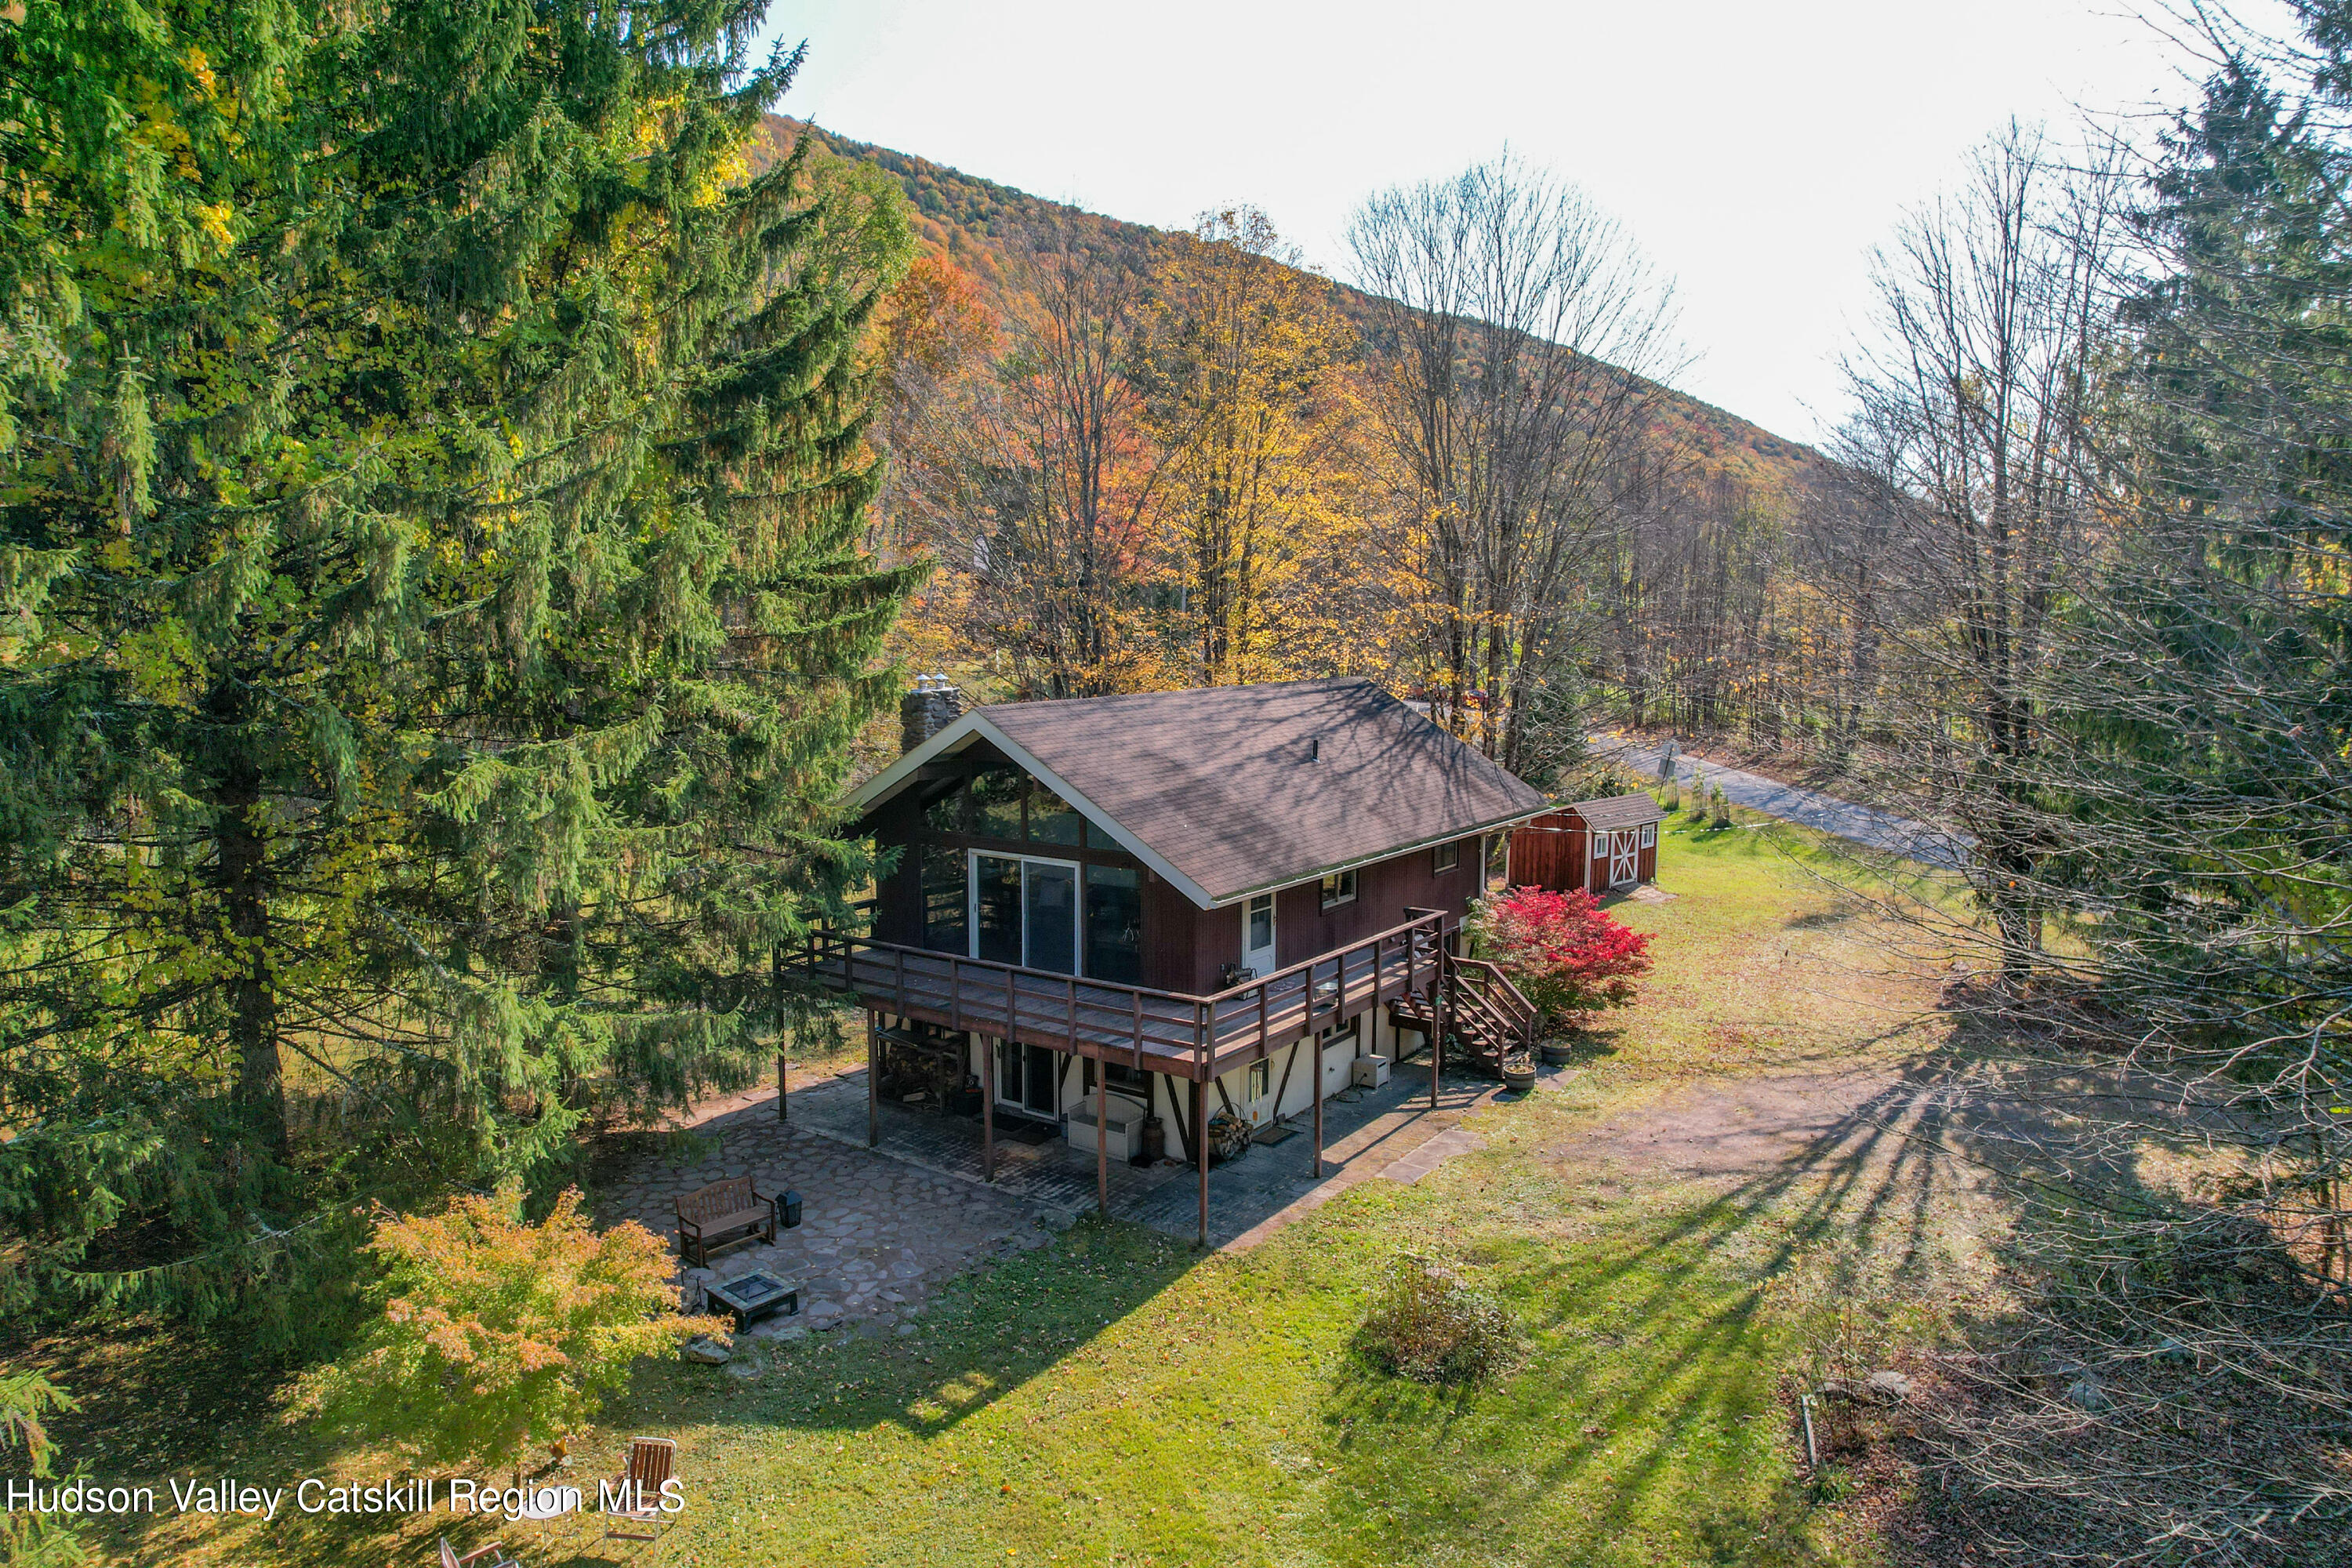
x=1025, y=911
x=1050, y=913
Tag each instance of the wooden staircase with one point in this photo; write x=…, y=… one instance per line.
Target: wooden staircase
x=1486, y=1017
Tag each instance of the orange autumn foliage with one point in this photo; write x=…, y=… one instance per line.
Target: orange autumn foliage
x=496, y=1333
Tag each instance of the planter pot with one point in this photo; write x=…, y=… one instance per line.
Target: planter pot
x=1518, y=1074
x=1556, y=1053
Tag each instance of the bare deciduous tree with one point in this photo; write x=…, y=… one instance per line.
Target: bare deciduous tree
x=1033, y=483
x=1518, y=346
x=1975, y=405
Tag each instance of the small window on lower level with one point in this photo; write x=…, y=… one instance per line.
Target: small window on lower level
x=1444, y=858
x=1261, y=1079
x=1119, y=1078
x=1340, y=887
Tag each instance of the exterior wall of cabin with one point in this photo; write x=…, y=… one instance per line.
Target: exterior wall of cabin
x=1186, y=947
x=1385, y=890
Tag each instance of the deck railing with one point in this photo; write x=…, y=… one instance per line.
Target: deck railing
x=1512, y=1012
x=1173, y=1032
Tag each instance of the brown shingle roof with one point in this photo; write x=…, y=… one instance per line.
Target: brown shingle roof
x=1618, y=811
x=1242, y=788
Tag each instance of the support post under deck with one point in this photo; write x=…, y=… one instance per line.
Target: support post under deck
x=1200, y=1148
x=987, y=1111
x=1437, y=1013
x=1102, y=1139
x=873, y=1083
x=1318, y=1107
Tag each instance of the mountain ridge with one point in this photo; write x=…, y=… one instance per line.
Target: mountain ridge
x=970, y=218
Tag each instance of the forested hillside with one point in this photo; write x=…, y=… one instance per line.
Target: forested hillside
x=976, y=223
x=1658, y=583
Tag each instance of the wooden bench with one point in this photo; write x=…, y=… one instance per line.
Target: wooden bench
x=720, y=1214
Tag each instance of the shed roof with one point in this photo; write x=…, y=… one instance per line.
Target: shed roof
x=1234, y=790
x=1617, y=811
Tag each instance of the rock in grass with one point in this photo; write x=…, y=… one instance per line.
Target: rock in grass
x=2086, y=1393
x=1888, y=1387
x=704, y=1351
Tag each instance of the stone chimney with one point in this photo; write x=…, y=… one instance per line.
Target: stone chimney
x=928, y=708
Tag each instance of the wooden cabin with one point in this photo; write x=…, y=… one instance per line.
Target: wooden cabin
x=1109, y=912
x=1601, y=846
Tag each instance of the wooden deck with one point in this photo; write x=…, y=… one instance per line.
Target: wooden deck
x=1188, y=1037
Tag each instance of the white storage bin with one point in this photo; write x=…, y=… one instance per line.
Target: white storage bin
x=1126, y=1120
x=1369, y=1072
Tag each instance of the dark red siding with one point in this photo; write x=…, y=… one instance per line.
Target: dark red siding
x=1385, y=890
x=1184, y=946
x=1187, y=949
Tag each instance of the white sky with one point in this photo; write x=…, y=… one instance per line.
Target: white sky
x=1756, y=150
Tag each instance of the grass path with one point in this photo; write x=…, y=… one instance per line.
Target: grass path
x=1117, y=1399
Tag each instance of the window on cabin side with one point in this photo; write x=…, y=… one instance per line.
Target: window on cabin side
x=996, y=803
x=1444, y=857
x=945, y=900
x=945, y=815
x=1052, y=819
x=1649, y=835
x=1340, y=887
x=1261, y=1080
x=1119, y=1078
x=1114, y=924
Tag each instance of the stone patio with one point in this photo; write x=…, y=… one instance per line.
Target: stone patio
x=884, y=1228
x=878, y=1237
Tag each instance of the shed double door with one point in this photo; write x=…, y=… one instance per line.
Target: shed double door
x=1625, y=856
x=1616, y=857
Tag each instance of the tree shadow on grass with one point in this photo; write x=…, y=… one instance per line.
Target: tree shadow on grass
x=1646, y=1416
x=993, y=1329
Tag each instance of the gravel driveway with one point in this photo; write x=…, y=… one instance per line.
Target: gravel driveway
x=1795, y=802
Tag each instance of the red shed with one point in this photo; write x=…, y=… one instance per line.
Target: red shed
x=1596, y=844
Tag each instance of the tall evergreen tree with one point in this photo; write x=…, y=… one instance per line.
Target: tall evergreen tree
x=437, y=612
x=2189, y=786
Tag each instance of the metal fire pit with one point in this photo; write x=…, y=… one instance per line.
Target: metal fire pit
x=751, y=1296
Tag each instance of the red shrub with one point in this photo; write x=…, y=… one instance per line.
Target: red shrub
x=1561, y=949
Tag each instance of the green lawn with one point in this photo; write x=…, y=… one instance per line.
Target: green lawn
x=1115, y=1398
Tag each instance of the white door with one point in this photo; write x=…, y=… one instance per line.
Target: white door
x=1622, y=857
x=1257, y=934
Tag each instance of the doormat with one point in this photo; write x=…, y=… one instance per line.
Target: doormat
x=1273, y=1132
x=1030, y=1132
